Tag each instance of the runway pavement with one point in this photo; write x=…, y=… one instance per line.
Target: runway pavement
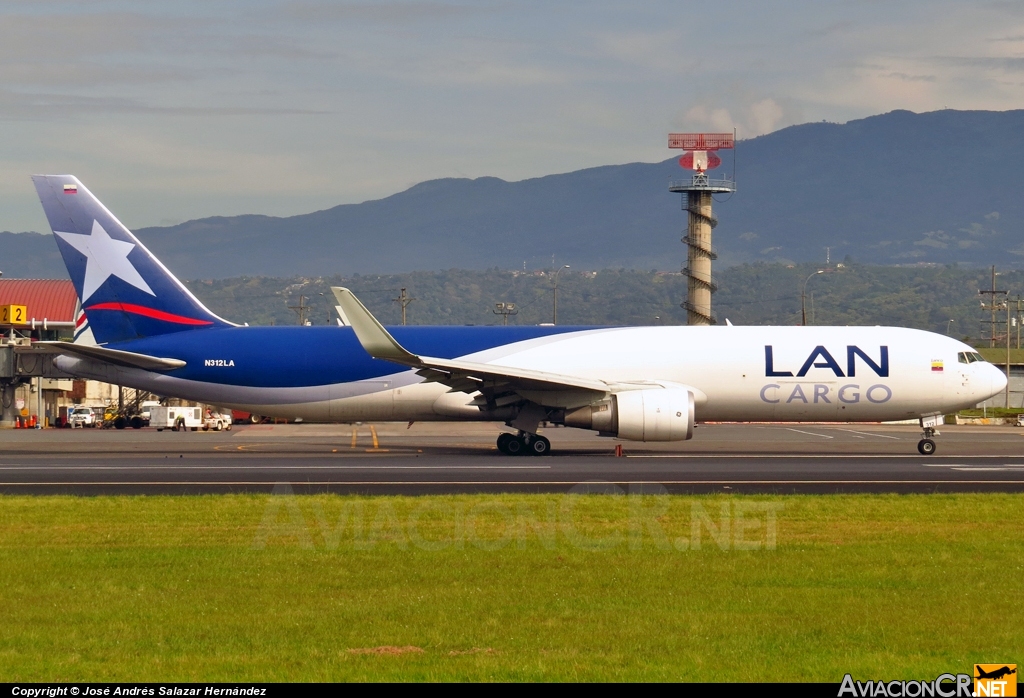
x=446, y=458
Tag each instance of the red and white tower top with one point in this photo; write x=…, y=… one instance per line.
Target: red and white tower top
x=701, y=147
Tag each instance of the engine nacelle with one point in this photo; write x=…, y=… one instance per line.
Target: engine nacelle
x=657, y=414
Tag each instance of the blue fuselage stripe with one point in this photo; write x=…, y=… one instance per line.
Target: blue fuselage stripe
x=292, y=357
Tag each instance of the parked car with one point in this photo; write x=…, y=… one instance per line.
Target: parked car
x=176, y=418
x=216, y=421
x=80, y=416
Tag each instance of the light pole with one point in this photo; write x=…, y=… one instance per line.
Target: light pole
x=504, y=310
x=554, y=308
x=948, y=323
x=803, y=297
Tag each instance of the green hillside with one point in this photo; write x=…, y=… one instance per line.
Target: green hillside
x=925, y=297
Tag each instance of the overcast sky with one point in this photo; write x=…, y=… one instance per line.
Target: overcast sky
x=176, y=110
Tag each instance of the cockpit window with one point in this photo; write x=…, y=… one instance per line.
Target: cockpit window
x=969, y=357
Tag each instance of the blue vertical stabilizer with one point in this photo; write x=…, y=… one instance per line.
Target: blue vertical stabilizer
x=126, y=293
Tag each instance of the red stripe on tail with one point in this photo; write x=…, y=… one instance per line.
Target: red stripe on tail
x=149, y=312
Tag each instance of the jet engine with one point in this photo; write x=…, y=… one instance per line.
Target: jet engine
x=656, y=414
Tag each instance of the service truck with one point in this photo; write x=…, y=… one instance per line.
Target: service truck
x=176, y=418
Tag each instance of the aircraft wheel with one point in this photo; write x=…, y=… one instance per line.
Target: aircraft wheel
x=926, y=447
x=503, y=440
x=515, y=446
x=540, y=446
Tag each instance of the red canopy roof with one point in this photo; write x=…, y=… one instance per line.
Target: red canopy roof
x=53, y=299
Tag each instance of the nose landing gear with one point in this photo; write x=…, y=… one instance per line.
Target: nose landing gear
x=523, y=444
x=926, y=446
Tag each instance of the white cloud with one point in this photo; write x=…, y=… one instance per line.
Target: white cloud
x=764, y=117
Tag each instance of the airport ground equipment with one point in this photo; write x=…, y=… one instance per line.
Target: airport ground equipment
x=176, y=418
x=700, y=156
x=216, y=421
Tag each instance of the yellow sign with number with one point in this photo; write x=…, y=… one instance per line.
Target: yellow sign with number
x=13, y=315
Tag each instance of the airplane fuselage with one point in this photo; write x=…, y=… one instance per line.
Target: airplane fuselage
x=738, y=373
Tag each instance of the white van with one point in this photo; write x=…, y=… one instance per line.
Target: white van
x=175, y=418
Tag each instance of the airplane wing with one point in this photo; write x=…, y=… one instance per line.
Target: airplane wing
x=128, y=359
x=493, y=381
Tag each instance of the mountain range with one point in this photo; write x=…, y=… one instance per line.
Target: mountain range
x=897, y=188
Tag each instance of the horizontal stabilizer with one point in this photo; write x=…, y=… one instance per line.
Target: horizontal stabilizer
x=117, y=357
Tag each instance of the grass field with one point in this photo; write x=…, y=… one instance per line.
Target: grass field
x=548, y=587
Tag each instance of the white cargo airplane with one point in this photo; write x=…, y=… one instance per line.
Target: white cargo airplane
x=142, y=328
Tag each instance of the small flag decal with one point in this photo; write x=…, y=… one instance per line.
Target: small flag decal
x=937, y=364
x=70, y=188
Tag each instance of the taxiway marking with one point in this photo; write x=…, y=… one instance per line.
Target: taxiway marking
x=159, y=466
x=810, y=433
x=868, y=433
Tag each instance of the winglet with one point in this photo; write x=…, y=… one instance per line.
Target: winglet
x=376, y=340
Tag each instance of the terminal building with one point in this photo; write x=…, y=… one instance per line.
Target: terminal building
x=32, y=390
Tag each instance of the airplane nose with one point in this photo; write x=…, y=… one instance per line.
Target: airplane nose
x=998, y=380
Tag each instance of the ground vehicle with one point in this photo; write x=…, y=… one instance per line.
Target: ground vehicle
x=144, y=410
x=216, y=421
x=1020, y=420
x=176, y=418
x=243, y=417
x=81, y=416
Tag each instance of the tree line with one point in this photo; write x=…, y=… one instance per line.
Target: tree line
x=936, y=298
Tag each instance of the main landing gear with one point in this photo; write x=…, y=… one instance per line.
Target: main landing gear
x=523, y=444
x=926, y=446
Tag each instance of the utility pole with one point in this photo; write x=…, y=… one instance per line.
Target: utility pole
x=803, y=297
x=554, y=307
x=1017, y=319
x=328, y=308
x=300, y=309
x=403, y=300
x=504, y=310
x=992, y=306
x=1007, y=353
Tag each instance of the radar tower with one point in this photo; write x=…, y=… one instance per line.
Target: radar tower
x=700, y=156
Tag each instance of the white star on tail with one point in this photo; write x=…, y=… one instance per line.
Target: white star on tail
x=105, y=257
